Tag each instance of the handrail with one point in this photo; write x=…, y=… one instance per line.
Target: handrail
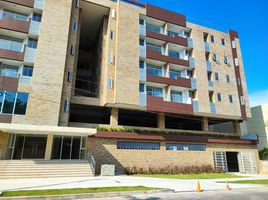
x=92, y=162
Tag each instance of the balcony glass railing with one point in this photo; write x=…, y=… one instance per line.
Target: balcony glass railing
x=5, y=14
x=173, y=34
x=174, y=54
x=177, y=98
x=174, y=75
x=154, y=48
x=156, y=92
x=154, y=71
x=9, y=72
x=153, y=28
x=11, y=45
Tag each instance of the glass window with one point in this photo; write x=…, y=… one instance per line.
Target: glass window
x=27, y=71
x=111, y=35
x=186, y=147
x=9, y=102
x=216, y=76
x=32, y=43
x=142, y=63
x=11, y=44
x=174, y=74
x=214, y=57
x=223, y=42
x=141, y=22
x=176, y=96
x=74, y=27
x=1, y=99
x=154, y=91
x=142, y=87
x=37, y=17
x=228, y=79
x=21, y=103
x=138, y=145
x=154, y=47
x=154, y=70
x=9, y=71
x=219, y=96
x=153, y=28
x=14, y=15
x=141, y=42
x=231, y=99
x=212, y=39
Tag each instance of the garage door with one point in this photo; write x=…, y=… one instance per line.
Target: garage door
x=247, y=163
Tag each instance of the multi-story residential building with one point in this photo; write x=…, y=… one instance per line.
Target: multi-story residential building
x=257, y=125
x=159, y=88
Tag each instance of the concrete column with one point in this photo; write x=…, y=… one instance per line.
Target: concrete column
x=114, y=117
x=168, y=93
x=161, y=120
x=49, y=146
x=167, y=69
x=237, y=128
x=205, y=125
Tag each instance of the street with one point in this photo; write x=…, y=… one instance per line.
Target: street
x=260, y=193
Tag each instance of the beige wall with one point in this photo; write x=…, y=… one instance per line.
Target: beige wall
x=47, y=81
x=223, y=108
x=264, y=167
x=3, y=139
x=105, y=152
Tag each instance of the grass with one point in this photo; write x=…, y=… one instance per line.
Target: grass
x=191, y=176
x=261, y=182
x=75, y=191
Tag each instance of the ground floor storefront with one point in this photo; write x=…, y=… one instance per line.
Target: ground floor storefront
x=128, y=150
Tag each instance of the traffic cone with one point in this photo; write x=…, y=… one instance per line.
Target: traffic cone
x=198, y=187
x=227, y=185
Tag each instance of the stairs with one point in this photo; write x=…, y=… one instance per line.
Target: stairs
x=44, y=168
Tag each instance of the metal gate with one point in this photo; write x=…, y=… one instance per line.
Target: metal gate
x=220, y=162
x=247, y=162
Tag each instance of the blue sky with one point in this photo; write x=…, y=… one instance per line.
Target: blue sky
x=250, y=21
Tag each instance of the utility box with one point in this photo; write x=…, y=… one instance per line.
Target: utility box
x=107, y=170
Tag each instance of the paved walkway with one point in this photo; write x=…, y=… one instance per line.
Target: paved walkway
x=88, y=182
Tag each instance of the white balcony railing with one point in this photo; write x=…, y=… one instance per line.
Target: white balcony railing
x=34, y=28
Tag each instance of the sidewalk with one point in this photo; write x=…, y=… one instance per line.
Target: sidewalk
x=178, y=185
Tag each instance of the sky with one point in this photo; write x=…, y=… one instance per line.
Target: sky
x=249, y=18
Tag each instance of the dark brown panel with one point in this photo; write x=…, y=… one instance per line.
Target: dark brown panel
x=27, y=3
x=233, y=36
x=182, y=82
x=9, y=83
x=15, y=25
x=165, y=15
x=170, y=138
x=155, y=55
x=5, y=118
x=136, y=2
x=157, y=104
x=176, y=40
x=13, y=55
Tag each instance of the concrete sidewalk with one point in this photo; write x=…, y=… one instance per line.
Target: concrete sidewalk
x=179, y=185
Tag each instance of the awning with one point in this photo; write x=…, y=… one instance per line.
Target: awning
x=38, y=129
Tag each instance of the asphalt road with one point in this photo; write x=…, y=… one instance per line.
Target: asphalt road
x=260, y=193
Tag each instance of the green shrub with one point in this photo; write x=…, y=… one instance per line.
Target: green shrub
x=263, y=154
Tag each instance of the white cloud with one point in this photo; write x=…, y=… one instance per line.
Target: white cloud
x=258, y=98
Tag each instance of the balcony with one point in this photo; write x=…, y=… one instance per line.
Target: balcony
x=29, y=55
x=143, y=98
x=11, y=50
x=158, y=76
x=156, y=55
x=209, y=66
x=14, y=22
x=210, y=84
x=207, y=47
x=213, y=108
x=157, y=104
x=196, y=105
x=142, y=74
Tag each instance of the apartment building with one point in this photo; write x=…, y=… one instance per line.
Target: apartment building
x=128, y=83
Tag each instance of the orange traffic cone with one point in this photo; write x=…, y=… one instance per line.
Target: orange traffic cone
x=198, y=187
x=227, y=185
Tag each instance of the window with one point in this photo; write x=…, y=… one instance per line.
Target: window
x=66, y=105
x=154, y=91
x=242, y=100
x=154, y=47
x=77, y=3
x=2, y=92
x=174, y=74
x=11, y=44
x=153, y=28
x=32, y=43
x=9, y=102
x=111, y=35
x=214, y=57
x=69, y=76
x=9, y=71
x=231, y=99
x=228, y=79
x=142, y=64
x=186, y=147
x=238, y=81
x=27, y=71
x=226, y=60
x=72, y=50
x=219, y=96
x=110, y=82
x=21, y=103
x=74, y=27
x=176, y=96
x=212, y=39
x=142, y=87
x=111, y=58
x=142, y=42
x=223, y=42
x=37, y=17
x=14, y=15
x=138, y=145
x=154, y=70
x=217, y=76
x=142, y=22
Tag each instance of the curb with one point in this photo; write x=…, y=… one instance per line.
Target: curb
x=86, y=195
